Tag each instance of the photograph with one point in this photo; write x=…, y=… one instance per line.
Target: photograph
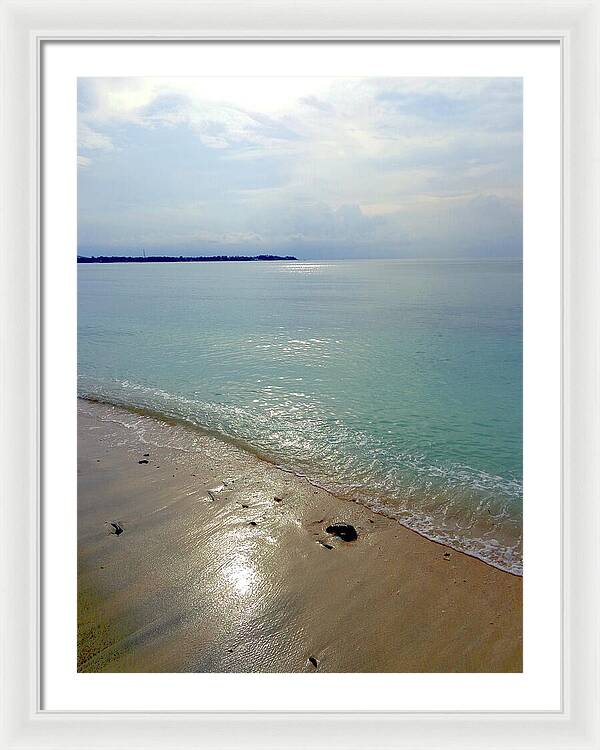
x=299, y=374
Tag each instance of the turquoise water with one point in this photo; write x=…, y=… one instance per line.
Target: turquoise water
x=395, y=383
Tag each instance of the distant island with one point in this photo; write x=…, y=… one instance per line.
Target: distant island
x=177, y=258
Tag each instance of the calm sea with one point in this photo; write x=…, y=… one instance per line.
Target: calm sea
x=395, y=383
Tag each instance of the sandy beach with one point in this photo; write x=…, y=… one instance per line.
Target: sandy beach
x=224, y=565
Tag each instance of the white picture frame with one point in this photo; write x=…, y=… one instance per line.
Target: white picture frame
x=24, y=26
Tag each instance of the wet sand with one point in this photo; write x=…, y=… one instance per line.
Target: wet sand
x=222, y=567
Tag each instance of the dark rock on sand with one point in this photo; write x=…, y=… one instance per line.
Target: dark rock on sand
x=345, y=531
x=146, y=455
x=314, y=661
x=278, y=499
x=143, y=461
x=252, y=523
x=118, y=529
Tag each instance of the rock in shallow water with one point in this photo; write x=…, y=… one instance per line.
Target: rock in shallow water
x=345, y=531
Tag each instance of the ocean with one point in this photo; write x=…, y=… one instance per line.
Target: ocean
x=394, y=383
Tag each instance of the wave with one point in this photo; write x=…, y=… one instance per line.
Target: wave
x=471, y=511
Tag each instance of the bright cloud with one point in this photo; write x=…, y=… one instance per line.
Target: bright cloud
x=315, y=166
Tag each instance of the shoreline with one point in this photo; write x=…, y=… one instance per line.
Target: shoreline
x=259, y=455
x=225, y=565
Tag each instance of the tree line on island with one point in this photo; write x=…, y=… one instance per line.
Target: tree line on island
x=177, y=258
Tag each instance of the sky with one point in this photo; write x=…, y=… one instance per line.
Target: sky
x=312, y=167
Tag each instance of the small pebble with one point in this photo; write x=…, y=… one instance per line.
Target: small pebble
x=324, y=544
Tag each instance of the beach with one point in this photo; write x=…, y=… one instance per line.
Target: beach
x=222, y=563
x=395, y=384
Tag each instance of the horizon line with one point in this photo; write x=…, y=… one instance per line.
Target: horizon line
x=314, y=259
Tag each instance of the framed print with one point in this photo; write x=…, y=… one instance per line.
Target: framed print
x=300, y=375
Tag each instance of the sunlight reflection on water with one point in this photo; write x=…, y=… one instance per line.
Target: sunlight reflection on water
x=241, y=574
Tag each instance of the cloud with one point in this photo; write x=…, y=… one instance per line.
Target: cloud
x=373, y=166
x=90, y=140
